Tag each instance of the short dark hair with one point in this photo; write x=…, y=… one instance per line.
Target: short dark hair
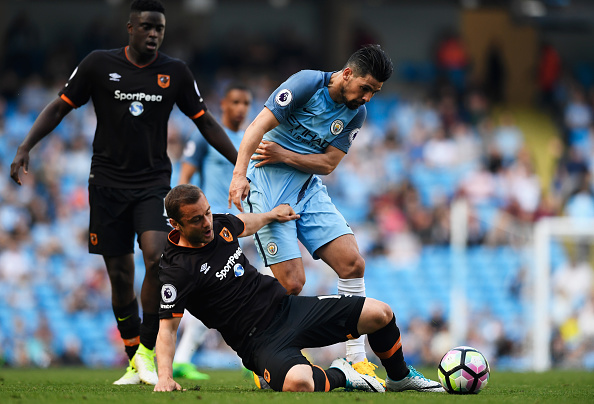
x=235, y=86
x=371, y=59
x=138, y=6
x=184, y=194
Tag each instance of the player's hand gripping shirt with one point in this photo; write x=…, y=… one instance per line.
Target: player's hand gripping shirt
x=310, y=121
x=217, y=284
x=133, y=104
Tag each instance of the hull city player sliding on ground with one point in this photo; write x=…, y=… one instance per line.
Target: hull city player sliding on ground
x=204, y=271
x=215, y=176
x=133, y=91
x=305, y=129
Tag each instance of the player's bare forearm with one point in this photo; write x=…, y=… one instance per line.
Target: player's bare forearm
x=239, y=187
x=264, y=122
x=255, y=221
x=165, y=350
x=323, y=163
x=215, y=135
x=46, y=122
x=186, y=173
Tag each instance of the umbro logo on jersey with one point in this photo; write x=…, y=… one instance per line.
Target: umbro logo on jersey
x=205, y=268
x=114, y=77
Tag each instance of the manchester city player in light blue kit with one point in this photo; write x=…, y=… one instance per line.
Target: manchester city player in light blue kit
x=215, y=175
x=215, y=171
x=305, y=129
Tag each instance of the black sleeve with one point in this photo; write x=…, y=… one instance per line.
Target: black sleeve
x=236, y=225
x=77, y=90
x=189, y=99
x=176, y=287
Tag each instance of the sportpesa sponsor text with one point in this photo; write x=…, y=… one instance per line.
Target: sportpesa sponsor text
x=119, y=95
x=222, y=274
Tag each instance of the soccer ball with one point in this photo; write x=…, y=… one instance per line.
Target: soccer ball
x=463, y=370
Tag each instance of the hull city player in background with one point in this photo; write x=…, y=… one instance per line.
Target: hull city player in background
x=204, y=270
x=215, y=175
x=305, y=129
x=133, y=91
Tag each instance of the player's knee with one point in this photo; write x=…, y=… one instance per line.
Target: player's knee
x=384, y=314
x=298, y=383
x=354, y=268
x=380, y=314
x=151, y=262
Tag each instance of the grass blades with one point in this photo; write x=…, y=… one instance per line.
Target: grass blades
x=82, y=385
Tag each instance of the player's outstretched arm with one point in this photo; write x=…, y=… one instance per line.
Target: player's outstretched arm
x=186, y=173
x=239, y=187
x=323, y=163
x=165, y=350
x=47, y=120
x=215, y=135
x=255, y=221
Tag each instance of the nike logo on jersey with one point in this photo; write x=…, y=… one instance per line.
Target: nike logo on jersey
x=307, y=111
x=114, y=77
x=124, y=318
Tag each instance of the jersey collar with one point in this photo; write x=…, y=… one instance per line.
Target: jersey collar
x=139, y=66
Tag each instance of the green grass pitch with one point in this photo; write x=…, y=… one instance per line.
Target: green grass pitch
x=81, y=385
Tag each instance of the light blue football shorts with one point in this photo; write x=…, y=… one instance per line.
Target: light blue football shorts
x=320, y=221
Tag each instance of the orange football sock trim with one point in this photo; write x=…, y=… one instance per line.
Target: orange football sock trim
x=391, y=351
x=327, y=385
x=131, y=341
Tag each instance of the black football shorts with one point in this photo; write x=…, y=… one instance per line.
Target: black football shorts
x=118, y=214
x=303, y=322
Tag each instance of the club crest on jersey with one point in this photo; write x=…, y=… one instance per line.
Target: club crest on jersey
x=238, y=270
x=353, y=135
x=283, y=97
x=93, y=238
x=163, y=80
x=168, y=293
x=272, y=248
x=226, y=234
x=336, y=127
x=136, y=108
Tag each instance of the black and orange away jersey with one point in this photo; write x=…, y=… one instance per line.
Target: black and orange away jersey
x=217, y=284
x=133, y=104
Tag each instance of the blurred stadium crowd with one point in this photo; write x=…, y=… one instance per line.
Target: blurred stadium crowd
x=440, y=138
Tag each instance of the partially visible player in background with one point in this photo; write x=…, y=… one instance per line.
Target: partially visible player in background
x=305, y=129
x=133, y=90
x=215, y=176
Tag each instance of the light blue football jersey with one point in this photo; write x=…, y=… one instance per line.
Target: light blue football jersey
x=310, y=121
x=215, y=170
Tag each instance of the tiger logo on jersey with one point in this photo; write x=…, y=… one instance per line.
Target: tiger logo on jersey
x=93, y=238
x=226, y=234
x=163, y=80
